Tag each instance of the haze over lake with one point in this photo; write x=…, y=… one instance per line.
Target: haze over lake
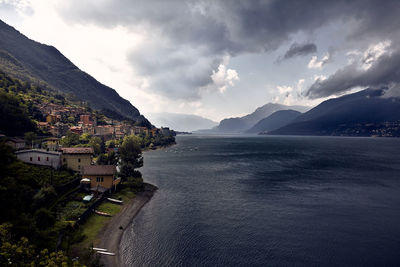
x=269, y=201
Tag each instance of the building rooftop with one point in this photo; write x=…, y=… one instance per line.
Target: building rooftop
x=98, y=170
x=77, y=150
x=16, y=140
x=43, y=151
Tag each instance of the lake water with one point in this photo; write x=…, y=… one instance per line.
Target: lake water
x=270, y=201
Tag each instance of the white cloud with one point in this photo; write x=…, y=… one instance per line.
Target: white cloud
x=318, y=64
x=293, y=95
x=284, y=89
x=319, y=78
x=373, y=52
x=22, y=7
x=365, y=59
x=224, y=78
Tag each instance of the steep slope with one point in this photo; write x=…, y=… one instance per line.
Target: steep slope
x=275, y=121
x=365, y=113
x=241, y=124
x=181, y=122
x=38, y=63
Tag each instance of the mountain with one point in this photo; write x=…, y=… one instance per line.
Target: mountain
x=364, y=113
x=241, y=124
x=274, y=121
x=45, y=65
x=181, y=122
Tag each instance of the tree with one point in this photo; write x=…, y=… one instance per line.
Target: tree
x=97, y=144
x=110, y=144
x=84, y=138
x=71, y=119
x=30, y=138
x=70, y=139
x=131, y=156
x=131, y=152
x=44, y=218
x=107, y=159
x=22, y=253
x=14, y=117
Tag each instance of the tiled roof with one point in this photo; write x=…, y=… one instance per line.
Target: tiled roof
x=77, y=150
x=98, y=170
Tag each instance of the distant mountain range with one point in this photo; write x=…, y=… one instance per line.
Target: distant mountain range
x=181, y=122
x=274, y=121
x=364, y=113
x=242, y=124
x=45, y=65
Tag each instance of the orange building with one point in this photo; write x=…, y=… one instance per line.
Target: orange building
x=85, y=119
x=101, y=177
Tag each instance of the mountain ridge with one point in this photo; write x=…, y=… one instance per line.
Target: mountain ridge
x=365, y=113
x=39, y=63
x=274, y=121
x=241, y=124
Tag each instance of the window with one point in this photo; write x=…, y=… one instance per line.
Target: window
x=79, y=167
x=99, y=179
x=64, y=159
x=47, y=159
x=30, y=158
x=79, y=160
x=38, y=158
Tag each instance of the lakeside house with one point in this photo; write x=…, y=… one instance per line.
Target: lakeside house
x=102, y=177
x=76, y=157
x=16, y=143
x=40, y=157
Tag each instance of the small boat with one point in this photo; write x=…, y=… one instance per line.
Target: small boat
x=100, y=249
x=88, y=198
x=115, y=200
x=102, y=213
x=106, y=253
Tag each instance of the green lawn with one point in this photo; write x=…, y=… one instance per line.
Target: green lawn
x=125, y=194
x=91, y=228
x=93, y=225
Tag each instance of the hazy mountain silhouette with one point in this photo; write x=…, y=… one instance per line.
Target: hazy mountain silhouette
x=274, y=121
x=181, y=122
x=241, y=124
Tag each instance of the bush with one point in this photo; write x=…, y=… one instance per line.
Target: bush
x=135, y=182
x=44, y=218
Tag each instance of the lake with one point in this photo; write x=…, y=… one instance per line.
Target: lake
x=269, y=201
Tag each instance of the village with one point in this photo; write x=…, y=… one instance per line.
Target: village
x=62, y=122
x=84, y=168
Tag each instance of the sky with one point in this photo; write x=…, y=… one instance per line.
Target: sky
x=217, y=58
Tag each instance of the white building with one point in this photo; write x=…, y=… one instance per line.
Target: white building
x=40, y=157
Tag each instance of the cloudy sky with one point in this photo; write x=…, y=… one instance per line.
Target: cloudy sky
x=221, y=58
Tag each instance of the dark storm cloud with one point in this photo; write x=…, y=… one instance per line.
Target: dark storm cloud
x=384, y=72
x=237, y=26
x=300, y=50
x=214, y=29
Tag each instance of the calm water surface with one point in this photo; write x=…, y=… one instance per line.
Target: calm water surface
x=270, y=201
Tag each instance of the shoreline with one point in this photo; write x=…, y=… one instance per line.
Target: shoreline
x=111, y=234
